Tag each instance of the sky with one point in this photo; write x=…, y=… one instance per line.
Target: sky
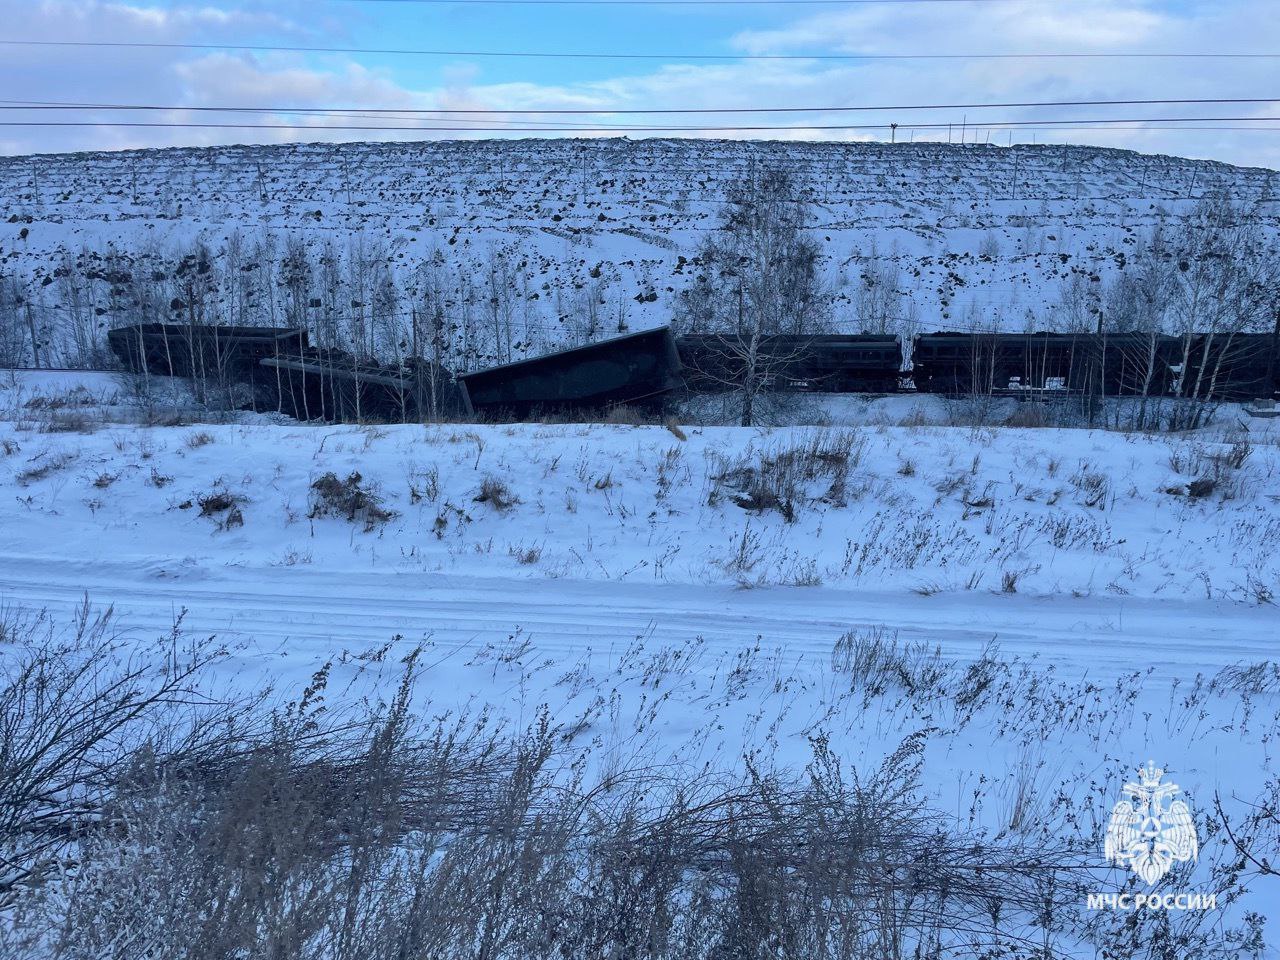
x=671, y=36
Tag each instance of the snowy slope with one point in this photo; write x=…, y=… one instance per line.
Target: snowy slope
x=966, y=235
x=918, y=511
x=622, y=578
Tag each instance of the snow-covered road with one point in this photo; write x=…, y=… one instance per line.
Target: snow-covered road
x=313, y=611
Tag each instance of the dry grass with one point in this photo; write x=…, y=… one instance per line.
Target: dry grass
x=69, y=421
x=45, y=465
x=816, y=468
x=349, y=499
x=496, y=494
x=217, y=502
x=327, y=833
x=526, y=555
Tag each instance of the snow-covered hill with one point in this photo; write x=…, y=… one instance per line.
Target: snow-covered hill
x=587, y=236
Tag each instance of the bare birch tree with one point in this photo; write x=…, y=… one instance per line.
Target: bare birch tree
x=757, y=293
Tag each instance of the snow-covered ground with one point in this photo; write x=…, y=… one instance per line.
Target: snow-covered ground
x=1046, y=608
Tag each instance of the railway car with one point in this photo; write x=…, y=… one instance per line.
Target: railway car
x=639, y=368
x=181, y=350
x=839, y=363
x=1009, y=363
x=335, y=386
x=1231, y=366
x=281, y=372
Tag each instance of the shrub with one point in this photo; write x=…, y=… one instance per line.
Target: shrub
x=496, y=493
x=219, y=501
x=46, y=464
x=68, y=421
x=1201, y=487
x=526, y=555
x=1093, y=486
x=349, y=499
x=816, y=468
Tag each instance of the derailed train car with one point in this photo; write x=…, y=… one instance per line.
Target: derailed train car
x=183, y=350
x=637, y=369
x=334, y=386
x=279, y=371
x=275, y=369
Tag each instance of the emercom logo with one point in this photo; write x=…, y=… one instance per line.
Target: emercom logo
x=1149, y=831
x=1152, y=901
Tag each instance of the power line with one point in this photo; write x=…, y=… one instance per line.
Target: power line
x=1078, y=124
x=570, y=55
x=285, y=111
x=601, y=111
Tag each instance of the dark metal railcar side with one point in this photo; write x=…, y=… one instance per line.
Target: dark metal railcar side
x=334, y=386
x=181, y=350
x=986, y=363
x=639, y=368
x=836, y=363
x=1231, y=366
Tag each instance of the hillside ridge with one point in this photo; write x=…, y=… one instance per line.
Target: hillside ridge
x=564, y=241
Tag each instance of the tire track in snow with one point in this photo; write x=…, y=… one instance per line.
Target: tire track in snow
x=307, y=610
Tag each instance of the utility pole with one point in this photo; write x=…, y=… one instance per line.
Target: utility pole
x=893, y=133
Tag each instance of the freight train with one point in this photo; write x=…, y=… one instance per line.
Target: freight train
x=646, y=368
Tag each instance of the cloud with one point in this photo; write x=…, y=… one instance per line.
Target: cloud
x=1085, y=25
x=200, y=78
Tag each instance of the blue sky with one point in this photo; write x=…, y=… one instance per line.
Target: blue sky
x=184, y=78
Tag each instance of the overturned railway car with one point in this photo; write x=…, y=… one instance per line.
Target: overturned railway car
x=334, y=386
x=275, y=369
x=638, y=369
x=181, y=350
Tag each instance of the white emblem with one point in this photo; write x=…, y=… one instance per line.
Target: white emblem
x=1148, y=832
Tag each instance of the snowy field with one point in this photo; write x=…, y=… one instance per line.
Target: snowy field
x=1043, y=609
